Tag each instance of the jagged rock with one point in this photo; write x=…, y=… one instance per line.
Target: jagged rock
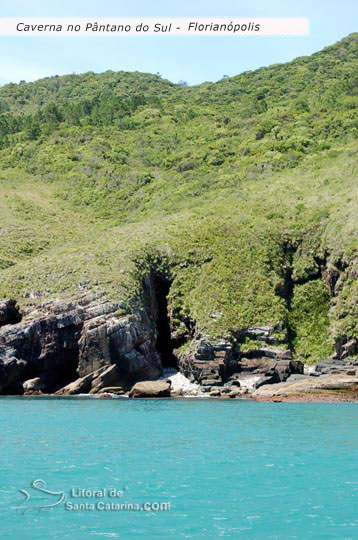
x=93, y=383
x=9, y=312
x=82, y=385
x=209, y=363
x=234, y=393
x=213, y=364
x=146, y=389
x=129, y=343
x=62, y=340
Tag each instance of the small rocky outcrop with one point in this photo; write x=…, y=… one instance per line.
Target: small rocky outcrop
x=150, y=389
x=217, y=367
x=325, y=386
x=270, y=369
x=209, y=363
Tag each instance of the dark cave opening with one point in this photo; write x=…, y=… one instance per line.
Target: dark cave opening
x=56, y=371
x=64, y=371
x=164, y=342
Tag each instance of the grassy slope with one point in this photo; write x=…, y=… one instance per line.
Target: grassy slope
x=245, y=190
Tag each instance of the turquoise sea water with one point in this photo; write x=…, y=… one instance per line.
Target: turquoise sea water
x=229, y=469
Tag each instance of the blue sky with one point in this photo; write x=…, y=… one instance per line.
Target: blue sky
x=194, y=59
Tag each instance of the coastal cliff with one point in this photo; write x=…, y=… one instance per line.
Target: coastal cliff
x=91, y=347
x=147, y=226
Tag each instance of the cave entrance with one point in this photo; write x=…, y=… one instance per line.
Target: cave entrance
x=164, y=343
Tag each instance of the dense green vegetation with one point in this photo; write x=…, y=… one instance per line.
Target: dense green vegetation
x=243, y=192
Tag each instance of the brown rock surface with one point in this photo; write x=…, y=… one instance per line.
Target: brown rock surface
x=333, y=384
x=146, y=389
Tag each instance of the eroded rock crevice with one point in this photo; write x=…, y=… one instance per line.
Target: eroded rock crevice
x=172, y=329
x=165, y=345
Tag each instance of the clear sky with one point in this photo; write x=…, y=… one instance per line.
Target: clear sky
x=194, y=59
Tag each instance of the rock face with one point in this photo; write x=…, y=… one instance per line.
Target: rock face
x=59, y=342
x=147, y=389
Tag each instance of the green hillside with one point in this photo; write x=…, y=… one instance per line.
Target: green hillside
x=241, y=194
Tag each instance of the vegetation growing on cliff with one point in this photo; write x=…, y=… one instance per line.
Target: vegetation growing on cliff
x=245, y=188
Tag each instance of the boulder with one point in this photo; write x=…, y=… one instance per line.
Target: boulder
x=33, y=385
x=146, y=389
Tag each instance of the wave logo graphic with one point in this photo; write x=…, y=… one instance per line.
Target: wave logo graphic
x=40, y=498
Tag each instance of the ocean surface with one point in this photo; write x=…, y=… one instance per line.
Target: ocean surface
x=175, y=469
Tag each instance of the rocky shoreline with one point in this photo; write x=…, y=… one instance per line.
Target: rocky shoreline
x=96, y=347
